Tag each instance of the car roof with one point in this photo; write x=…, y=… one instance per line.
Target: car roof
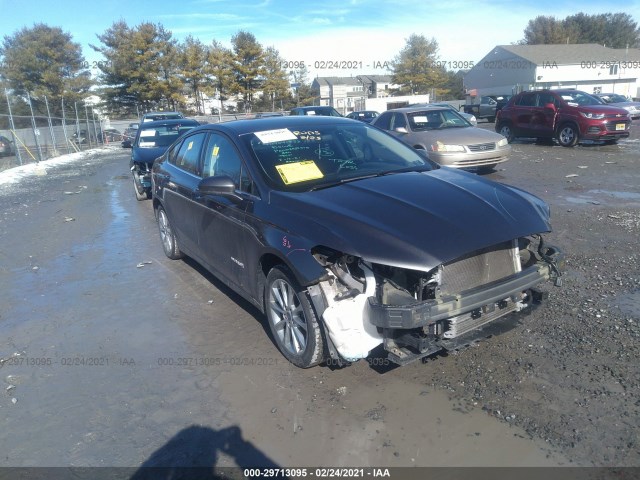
x=430, y=105
x=240, y=127
x=417, y=109
x=174, y=121
x=311, y=107
x=161, y=113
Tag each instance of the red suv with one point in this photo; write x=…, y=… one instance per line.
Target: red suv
x=569, y=116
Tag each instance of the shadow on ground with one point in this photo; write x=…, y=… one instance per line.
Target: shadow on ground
x=194, y=453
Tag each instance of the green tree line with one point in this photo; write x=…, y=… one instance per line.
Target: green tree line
x=145, y=68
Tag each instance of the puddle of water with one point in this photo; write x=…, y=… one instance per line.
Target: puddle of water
x=617, y=194
x=602, y=197
x=629, y=304
x=389, y=422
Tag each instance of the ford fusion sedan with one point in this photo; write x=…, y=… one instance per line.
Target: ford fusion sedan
x=348, y=239
x=152, y=140
x=445, y=136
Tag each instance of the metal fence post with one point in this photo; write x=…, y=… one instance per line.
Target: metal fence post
x=95, y=129
x=13, y=128
x=75, y=104
x=36, y=132
x=64, y=128
x=86, y=116
x=53, y=135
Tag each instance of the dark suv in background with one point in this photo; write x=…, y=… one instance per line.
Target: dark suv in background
x=569, y=116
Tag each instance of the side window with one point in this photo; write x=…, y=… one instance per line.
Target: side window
x=544, y=99
x=189, y=153
x=384, y=121
x=221, y=158
x=398, y=121
x=528, y=100
x=173, y=153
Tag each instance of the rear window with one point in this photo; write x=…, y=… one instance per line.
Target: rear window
x=160, y=136
x=162, y=116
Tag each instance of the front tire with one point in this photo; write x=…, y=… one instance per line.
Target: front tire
x=168, y=238
x=141, y=192
x=292, y=319
x=567, y=135
x=507, y=132
x=487, y=169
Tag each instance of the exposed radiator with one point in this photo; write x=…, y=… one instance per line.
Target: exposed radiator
x=479, y=268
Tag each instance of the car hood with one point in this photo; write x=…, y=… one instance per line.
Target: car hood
x=625, y=104
x=147, y=155
x=411, y=220
x=458, y=136
x=606, y=109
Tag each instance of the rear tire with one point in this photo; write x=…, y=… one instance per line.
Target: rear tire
x=168, y=238
x=292, y=319
x=567, y=135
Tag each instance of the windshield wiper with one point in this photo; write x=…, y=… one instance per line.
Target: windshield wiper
x=344, y=180
x=414, y=168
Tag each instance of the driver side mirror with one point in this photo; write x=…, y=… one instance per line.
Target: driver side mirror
x=400, y=130
x=222, y=185
x=550, y=106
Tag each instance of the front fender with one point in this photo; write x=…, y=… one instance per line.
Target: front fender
x=295, y=252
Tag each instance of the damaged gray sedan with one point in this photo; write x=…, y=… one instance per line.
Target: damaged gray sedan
x=347, y=239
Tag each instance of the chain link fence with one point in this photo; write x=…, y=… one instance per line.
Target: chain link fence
x=29, y=138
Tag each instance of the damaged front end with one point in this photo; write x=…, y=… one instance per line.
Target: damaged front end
x=416, y=313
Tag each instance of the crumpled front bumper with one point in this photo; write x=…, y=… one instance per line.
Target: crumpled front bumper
x=424, y=313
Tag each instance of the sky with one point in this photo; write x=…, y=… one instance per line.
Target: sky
x=358, y=35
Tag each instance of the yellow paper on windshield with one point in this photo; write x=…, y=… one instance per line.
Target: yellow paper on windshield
x=299, y=172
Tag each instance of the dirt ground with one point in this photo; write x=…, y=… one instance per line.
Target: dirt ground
x=113, y=355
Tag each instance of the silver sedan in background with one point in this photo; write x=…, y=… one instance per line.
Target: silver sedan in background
x=621, y=101
x=446, y=136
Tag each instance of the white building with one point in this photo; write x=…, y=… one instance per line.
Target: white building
x=345, y=94
x=593, y=68
x=364, y=92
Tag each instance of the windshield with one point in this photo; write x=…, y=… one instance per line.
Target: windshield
x=580, y=98
x=160, y=136
x=436, y=119
x=305, y=159
x=614, y=98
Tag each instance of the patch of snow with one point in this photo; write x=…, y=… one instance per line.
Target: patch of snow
x=13, y=175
